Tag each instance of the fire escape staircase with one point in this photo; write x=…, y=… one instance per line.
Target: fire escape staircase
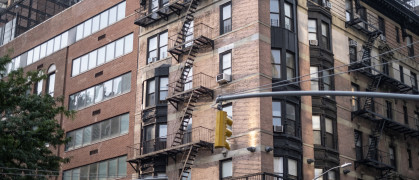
x=188, y=158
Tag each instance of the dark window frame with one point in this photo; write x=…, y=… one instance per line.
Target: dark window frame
x=401, y=74
x=389, y=110
x=160, y=4
x=350, y=10
x=160, y=90
x=325, y=39
x=275, y=64
x=291, y=18
x=157, y=91
x=410, y=48
x=409, y=156
x=285, y=118
x=276, y=13
x=324, y=134
x=393, y=162
x=405, y=115
x=221, y=167
x=355, y=98
x=287, y=66
x=221, y=55
x=48, y=81
x=415, y=80
x=352, y=53
x=358, y=149
x=148, y=103
x=397, y=35
x=382, y=25
x=158, y=48
x=222, y=28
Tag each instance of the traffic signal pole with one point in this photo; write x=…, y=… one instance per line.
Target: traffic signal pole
x=222, y=98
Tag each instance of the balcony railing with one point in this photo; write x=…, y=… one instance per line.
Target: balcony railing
x=200, y=30
x=377, y=158
x=194, y=135
x=194, y=81
x=258, y=176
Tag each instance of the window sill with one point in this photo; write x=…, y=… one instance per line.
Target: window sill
x=106, y=139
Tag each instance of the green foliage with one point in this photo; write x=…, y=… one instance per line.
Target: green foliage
x=27, y=125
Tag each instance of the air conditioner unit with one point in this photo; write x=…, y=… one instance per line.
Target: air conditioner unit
x=278, y=129
x=313, y=42
x=353, y=43
x=223, y=78
x=382, y=38
x=153, y=59
x=328, y=5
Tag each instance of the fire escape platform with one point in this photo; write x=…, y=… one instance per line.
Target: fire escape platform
x=184, y=95
x=200, y=41
x=147, y=18
x=171, y=151
x=389, y=124
x=374, y=163
x=373, y=73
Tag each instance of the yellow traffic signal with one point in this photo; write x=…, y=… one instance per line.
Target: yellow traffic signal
x=221, y=130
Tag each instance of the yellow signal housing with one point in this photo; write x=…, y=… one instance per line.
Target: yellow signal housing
x=221, y=130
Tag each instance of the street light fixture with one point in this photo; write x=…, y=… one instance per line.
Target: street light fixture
x=341, y=166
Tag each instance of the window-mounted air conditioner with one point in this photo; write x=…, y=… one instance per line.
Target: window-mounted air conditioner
x=313, y=42
x=223, y=78
x=382, y=37
x=278, y=129
x=328, y=5
x=353, y=43
x=153, y=59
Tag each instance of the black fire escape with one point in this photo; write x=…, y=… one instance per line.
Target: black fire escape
x=372, y=156
x=185, y=88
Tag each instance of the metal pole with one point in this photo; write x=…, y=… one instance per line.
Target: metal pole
x=222, y=98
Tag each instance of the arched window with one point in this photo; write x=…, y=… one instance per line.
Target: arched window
x=51, y=80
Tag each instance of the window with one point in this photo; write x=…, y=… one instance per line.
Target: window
x=106, y=53
x=329, y=133
x=274, y=8
x=382, y=25
x=314, y=76
x=38, y=87
x=291, y=119
x=164, y=81
x=112, y=168
x=316, y=130
x=290, y=66
x=157, y=4
x=292, y=169
x=389, y=110
x=397, y=35
x=392, y=155
x=101, y=131
x=100, y=92
x=323, y=126
x=372, y=148
x=325, y=35
x=51, y=80
x=385, y=66
x=414, y=79
x=225, y=66
x=348, y=10
x=358, y=144
x=288, y=16
x=401, y=74
x=151, y=93
x=405, y=115
x=317, y=173
x=276, y=113
x=225, y=21
x=226, y=168
x=157, y=47
x=354, y=99
x=352, y=53
x=312, y=29
x=279, y=166
x=229, y=109
x=409, y=156
x=410, y=47
x=331, y=175
x=276, y=63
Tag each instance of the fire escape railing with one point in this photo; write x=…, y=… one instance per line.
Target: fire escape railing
x=145, y=16
x=192, y=82
x=375, y=157
x=200, y=30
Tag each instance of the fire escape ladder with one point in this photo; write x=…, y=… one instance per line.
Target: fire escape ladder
x=376, y=134
x=373, y=86
x=186, y=114
x=185, y=69
x=366, y=56
x=186, y=24
x=188, y=159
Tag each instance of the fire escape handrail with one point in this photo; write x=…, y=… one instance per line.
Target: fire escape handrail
x=200, y=30
x=380, y=156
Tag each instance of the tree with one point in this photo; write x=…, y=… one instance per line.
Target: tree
x=29, y=130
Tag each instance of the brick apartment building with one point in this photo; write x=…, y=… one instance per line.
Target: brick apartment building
x=143, y=76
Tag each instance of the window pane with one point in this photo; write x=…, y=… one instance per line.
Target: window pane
x=81, y=100
x=279, y=165
x=101, y=53
x=121, y=11
x=227, y=169
x=78, y=138
x=93, y=171
x=226, y=61
x=98, y=93
x=276, y=108
x=104, y=19
x=276, y=56
x=84, y=172
x=84, y=63
x=107, y=88
x=314, y=78
x=292, y=167
x=275, y=20
x=124, y=123
x=162, y=131
x=112, y=15
x=115, y=126
x=79, y=32
x=67, y=175
x=324, y=29
x=95, y=23
x=110, y=51
x=290, y=111
x=227, y=12
x=50, y=47
x=90, y=96
x=317, y=173
x=316, y=122
x=329, y=125
x=117, y=85
x=126, y=82
x=57, y=43
x=70, y=144
x=51, y=84
x=317, y=137
x=119, y=50
x=105, y=129
x=122, y=166
x=128, y=43
x=30, y=57
x=43, y=52
x=113, y=165
x=149, y=133
x=331, y=175
x=64, y=40
x=72, y=104
x=312, y=25
x=152, y=44
x=151, y=86
x=76, y=174
x=87, y=135
x=103, y=168
x=87, y=28
x=36, y=52
x=290, y=60
x=163, y=89
x=229, y=110
x=92, y=59
x=95, y=132
x=76, y=67
x=287, y=9
x=274, y=6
